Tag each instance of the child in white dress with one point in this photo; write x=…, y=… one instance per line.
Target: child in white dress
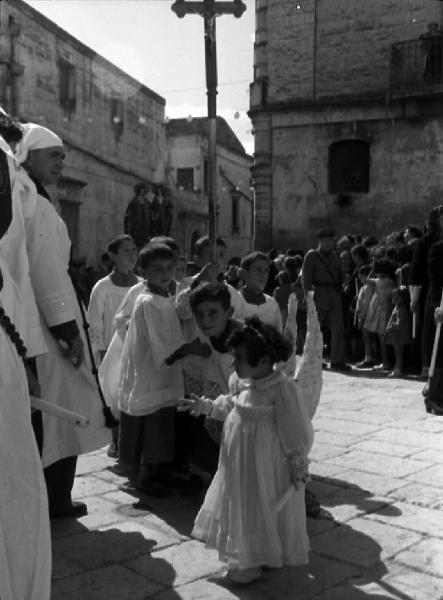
x=254, y=510
x=106, y=296
x=254, y=271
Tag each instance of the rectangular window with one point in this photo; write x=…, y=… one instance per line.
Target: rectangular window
x=349, y=167
x=67, y=85
x=185, y=179
x=235, y=214
x=117, y=115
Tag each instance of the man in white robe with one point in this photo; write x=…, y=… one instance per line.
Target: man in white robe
x=65, y=373
x=25, y=542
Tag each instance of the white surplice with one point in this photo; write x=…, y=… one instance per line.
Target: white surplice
x=13, y=251
x=25, y=543
x=75, y=389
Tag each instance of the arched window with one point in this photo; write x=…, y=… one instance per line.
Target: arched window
x=349, y=167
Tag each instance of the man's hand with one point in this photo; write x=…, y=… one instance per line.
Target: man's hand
x=74, y=351
x=438, y=315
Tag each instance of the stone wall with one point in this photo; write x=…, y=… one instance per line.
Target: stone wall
x=331, y=48
x=322, y=74
x=108, y=157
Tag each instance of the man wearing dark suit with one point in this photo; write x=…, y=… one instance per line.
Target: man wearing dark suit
x=322, y=273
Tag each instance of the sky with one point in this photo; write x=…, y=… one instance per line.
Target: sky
x=148, y=41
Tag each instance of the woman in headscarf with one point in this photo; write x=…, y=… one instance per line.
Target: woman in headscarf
x=65, y=373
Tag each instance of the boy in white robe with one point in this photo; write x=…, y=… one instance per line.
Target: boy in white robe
x=150, y=382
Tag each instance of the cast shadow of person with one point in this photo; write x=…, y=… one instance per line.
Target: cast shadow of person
x=345, y=562
x=111, y=563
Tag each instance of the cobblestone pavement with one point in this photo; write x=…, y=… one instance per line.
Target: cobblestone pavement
x=377, y=468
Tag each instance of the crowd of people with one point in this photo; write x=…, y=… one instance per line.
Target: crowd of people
x=185, y=369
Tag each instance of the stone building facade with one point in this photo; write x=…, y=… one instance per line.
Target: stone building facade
x=111, y=124
x=186, y=167
x=347, y=108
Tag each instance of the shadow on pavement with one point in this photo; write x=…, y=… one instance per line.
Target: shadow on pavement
x=111, y=563
x=333, y=492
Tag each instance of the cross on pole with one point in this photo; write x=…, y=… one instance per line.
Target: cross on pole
x=209, y=10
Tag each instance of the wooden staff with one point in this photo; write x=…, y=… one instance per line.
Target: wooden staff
x=436, y=342
x=356, y=298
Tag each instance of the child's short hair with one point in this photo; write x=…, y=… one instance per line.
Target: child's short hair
x=203, y=243
x=261, y=339
x=210, y=292
x=361, y=251
x=248, y=260
x=365, y=270
x=167, y=241
x=284, y=278
x=383, y=266
x=152, y=252
x=114, y=244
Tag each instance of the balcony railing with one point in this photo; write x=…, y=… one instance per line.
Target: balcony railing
x=417, y=67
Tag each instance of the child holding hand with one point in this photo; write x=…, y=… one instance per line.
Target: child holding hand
x=254, y=510
x=399, y=328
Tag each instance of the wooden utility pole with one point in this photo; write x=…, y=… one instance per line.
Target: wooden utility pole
x=210, y=10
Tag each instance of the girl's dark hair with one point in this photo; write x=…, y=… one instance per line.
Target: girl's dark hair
x=362, y=252
x=115, y=243
x=210, y=292
x=383, y=266
x=152, y=252
x=259, y=340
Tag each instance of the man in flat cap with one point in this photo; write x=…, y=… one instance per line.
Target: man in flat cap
x=322, y=274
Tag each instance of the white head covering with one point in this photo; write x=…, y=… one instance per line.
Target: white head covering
x=35, y=137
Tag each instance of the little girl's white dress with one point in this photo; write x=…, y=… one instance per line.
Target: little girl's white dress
x=267, y=436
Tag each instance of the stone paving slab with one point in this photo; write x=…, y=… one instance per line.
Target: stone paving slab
x=110, y=583
x=377, y=471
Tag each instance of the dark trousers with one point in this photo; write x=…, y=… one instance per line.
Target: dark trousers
x=147, y=440
x=60, y=475
x=333, y=319
x=193, y=444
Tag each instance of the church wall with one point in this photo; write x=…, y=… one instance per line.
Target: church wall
x=406, y=177
x=109, y=157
